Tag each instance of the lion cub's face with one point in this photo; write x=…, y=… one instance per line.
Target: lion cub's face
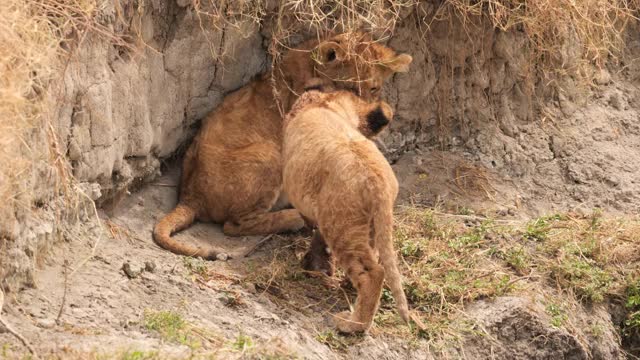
x=354, y=61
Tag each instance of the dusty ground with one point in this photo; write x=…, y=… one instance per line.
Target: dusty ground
x=250, y=307
x=103, y=310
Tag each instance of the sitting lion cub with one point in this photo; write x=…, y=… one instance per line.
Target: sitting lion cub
x=339, y=181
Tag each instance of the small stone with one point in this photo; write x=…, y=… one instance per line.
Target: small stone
x=130, y=271
x=148, y=277
x=603, y=77
x=614, y=101
x=250, y=287
x=222, y=257
x=46, y=323
x=149, y=266
x=102, y=259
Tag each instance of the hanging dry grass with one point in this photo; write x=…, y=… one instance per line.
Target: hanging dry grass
x=565, y=37
x=28, y=48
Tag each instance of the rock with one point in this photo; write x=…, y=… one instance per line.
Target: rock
x=46, y=323
x=615, y=102
x=91, y=189
x=131, y=271
x=150, y=266
x=222, y=257
x=250, y=287
x=603, y=77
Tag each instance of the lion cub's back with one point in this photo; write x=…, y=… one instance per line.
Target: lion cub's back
x=328, y=160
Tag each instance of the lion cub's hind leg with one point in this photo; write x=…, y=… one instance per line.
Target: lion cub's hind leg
x=367, y=277
x=264, y=223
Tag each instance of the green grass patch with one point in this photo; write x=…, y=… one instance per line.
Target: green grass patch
x=557, y=313
x=539, y=229
x=140, y=355
x=172, y=327
x=195, y=266
x=632, y=323
x=584, y=276
x=333, y=340
x=242, y=342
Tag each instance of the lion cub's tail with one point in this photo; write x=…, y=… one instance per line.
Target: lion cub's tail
x=383, y=237
x=179, y=218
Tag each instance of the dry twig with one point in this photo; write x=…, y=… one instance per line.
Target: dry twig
x=14, y=332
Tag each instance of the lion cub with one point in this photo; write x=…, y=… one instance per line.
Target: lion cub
x=339, y=181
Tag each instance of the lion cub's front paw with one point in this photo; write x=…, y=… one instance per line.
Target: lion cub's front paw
x=345, y=323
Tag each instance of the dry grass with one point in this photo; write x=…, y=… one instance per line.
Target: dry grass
x=450, y=261
x=594, y=27
x=27, y=50
x=36, y=36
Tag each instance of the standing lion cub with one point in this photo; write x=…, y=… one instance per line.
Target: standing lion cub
x=339, y=181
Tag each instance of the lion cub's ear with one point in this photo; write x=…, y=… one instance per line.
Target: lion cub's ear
x=328, y=52
x=399, y=63
x=375, y=119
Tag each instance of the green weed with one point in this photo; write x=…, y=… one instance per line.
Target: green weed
x=171, y=327
x=584, y=276
x=538, y=229
x=242, y=342
x=140, y=355
x=332, y=340
x=558, y=315
x=196, y=266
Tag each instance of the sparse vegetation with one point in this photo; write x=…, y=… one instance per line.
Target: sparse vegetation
x=140, y=355
x=450, y=262
x=242, y=342
x=169, y=325
x=195, y=266
x=172, y=327
x=632, y=323
x=333, y=340
x=557, y=313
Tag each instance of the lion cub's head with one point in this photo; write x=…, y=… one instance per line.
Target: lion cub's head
x=356, y=62
x=369, y=117
x=352, y=61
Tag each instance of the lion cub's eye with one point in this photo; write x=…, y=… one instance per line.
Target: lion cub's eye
x=374, y=89
x=331, y=55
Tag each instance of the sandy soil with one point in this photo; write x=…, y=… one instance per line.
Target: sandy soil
x=101, y=310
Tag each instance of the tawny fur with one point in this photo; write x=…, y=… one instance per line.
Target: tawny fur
x=339, y=180
x=232, y=172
